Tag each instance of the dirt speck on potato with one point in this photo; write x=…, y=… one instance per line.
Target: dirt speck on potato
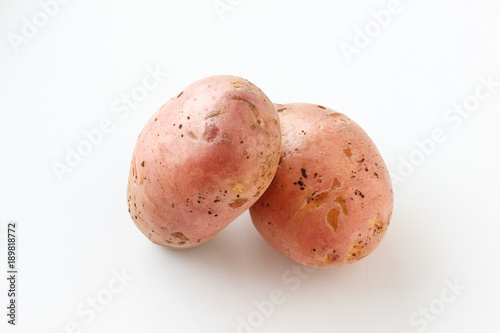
x=304, y=174
x=358, y=192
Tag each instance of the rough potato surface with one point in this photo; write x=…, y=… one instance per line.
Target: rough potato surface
x=203, y=159
x=331, y=200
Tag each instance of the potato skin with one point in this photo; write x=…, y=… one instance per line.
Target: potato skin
x=331, y=200
x=203, y=159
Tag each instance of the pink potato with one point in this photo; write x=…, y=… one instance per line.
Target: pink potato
x=203, y=159
x=331, y=200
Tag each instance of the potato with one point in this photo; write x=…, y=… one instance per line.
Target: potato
x=203, y=159
x=331, y=200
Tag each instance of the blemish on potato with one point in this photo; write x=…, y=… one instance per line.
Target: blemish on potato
x=336, y=184
x=250, y=105
x=238, y=202
x=319, y=200
x=180, y=235
x=182, y=92
x=333, y=218
x=321, y=107
x=342, y=204
x=378, y=225
x=211, y=132
x=281, y=110
x=355, y=253
x=142, y=164
x=237, y=84
x=237, y=188
x=329, y=257
x=213, y=114
x=347, y=152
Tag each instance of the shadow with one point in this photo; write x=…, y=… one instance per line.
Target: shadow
x=237, y=251
x=237, y=267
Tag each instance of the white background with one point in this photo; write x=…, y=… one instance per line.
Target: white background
x=69, y=74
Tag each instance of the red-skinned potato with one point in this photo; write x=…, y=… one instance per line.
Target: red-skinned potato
x=203, y=159
x=331, y=200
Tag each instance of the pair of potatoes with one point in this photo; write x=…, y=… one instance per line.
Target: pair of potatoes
x=317, y=188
